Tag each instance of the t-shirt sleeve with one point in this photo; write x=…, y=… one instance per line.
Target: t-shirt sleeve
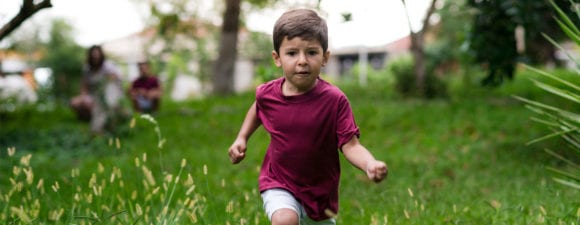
x=259, y=94
x=155, y=82
x=346, y=125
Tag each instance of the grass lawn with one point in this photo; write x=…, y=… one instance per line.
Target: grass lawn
x=461, y=160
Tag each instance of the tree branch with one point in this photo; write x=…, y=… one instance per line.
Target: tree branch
x=27, y=10
x=430, y=11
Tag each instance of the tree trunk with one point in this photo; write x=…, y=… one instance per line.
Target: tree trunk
x=223, y=77
x=417, y=41
x=27, y=10
x=417, y=49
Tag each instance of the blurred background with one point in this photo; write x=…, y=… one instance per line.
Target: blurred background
x=182, y=39
x=472, y=103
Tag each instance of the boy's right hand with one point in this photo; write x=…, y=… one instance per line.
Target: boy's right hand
x=237, y=151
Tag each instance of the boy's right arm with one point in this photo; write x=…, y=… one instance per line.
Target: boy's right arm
x=237, y=151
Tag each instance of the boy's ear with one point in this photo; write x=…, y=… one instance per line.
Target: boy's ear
x=276, y=58
x=325, y=58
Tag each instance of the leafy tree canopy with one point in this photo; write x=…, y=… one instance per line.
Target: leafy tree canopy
x=492, y=40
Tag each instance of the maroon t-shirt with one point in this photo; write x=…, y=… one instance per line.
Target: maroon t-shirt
x=145, y=82
x=306, y=132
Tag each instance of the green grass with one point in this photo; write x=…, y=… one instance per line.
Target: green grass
x=461, y=160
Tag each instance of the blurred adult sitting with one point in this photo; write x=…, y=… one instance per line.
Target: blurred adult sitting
x=145, y=91
x=100, y=92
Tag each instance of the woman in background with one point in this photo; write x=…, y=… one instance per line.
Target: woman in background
x=100, y=92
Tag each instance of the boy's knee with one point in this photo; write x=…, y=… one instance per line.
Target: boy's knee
x=285, y=217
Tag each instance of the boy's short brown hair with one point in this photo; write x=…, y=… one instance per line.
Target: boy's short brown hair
x=303, y=23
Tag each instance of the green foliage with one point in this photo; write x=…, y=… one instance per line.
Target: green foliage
x=455, y=168
x=405, y=79
x=563, y=122
x=261, y=3
x=258, y=46
x=176, y=64
x=492, y=41
x=59, y=52
x=383, y=77
x=451, y=32
x=65, y=57
x=266, y=70
x=183, y=36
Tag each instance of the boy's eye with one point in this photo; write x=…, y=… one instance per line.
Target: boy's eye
x=291, y=53
x=312, y=52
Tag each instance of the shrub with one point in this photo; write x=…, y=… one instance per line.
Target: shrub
x=405, y=79
x=382, y=76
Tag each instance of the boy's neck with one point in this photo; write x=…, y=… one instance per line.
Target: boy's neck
x=289, y=90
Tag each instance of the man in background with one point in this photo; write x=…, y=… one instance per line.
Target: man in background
x=145, y=91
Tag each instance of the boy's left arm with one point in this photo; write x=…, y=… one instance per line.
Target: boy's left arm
x=360, y=157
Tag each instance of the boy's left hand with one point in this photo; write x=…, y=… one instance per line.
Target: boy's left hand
x=377, y=171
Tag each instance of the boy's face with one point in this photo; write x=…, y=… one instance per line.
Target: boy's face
x=301, y=61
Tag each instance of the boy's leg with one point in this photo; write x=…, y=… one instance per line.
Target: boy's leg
x=280, y=203
x=285, y=217
x=281, y=207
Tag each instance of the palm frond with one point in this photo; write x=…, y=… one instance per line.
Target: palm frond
x=553, y=77
x=563, y=159
x=551, y=135
x=563, y=50
x=566, y=20
x=569, y=32
x=561, y=122
x=567, y=183
x=564, y=173
x=558, y=91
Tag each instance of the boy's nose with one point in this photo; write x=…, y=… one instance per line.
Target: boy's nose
x=302, y=59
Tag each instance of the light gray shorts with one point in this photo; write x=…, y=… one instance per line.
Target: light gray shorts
x=275, y=199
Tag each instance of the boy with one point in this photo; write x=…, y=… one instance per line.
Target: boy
x=308, y=119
